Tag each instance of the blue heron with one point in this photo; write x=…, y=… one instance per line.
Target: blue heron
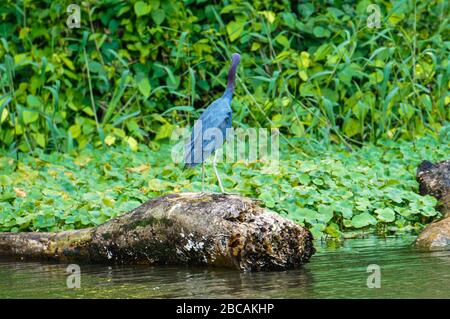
x=209, y=131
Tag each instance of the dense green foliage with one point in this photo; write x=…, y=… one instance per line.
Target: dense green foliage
x=373, y=188
x=136, y=68
x=74, y=102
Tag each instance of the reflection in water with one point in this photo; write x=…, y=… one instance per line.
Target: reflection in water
x=334, y=272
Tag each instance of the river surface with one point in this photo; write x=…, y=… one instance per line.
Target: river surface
x=335, y=271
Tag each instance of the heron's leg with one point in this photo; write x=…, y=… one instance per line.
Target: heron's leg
x=217, y=173
x=203, y=177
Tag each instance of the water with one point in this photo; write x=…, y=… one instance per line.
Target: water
x=334, y=272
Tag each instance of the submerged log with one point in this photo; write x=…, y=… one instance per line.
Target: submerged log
x=207, y=229
x=434, y=180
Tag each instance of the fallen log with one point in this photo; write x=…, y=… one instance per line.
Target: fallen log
x=434, y=180
x=435, y=236
x=207, y=229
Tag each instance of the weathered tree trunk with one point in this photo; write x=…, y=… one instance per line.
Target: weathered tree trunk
x=220, y=230
x=434, y=179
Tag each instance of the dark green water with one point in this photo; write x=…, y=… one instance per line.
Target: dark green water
x=332, y=273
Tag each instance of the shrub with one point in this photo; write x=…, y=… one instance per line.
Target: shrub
x=137, y=68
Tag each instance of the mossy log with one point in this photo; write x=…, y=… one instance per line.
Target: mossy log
x=434, y=180
x=435, y=236
x=207, y=229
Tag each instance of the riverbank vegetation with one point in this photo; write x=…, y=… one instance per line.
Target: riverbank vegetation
x=86, y=113
x=136, y=68
x=334, y=192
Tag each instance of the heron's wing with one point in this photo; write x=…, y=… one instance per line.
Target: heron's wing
x=208, y=133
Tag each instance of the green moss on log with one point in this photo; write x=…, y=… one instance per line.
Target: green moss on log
x=201, y=229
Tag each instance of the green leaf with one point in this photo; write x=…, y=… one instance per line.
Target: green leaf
x=4, y=115
x=234, y=29
x=30, y=116
x=283, y=40
x=363, y=220
x=141, y=8
x=304, y=179
x=352, y=127
x=164, y=131
x=326, y=213
x=144, y=87
x=321, y=32
x=156, y=185
x=306, y=9
x=75, y=130
x=132, y=143
x=110, y=140
x=40, y=139
x=333, y=230
x=269, y=15
x=318, y=181
x=158, y=16
x=386, y=215
x=33, y=102
x=268, y=199
x=323, y=51
x=304, y=214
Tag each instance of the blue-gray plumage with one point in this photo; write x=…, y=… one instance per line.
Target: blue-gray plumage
x=210, y=130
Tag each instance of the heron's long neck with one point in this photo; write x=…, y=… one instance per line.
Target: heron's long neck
x=231, y=79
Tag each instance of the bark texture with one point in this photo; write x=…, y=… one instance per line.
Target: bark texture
x=434, y=179
x=435, y=236
x=205, y=229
